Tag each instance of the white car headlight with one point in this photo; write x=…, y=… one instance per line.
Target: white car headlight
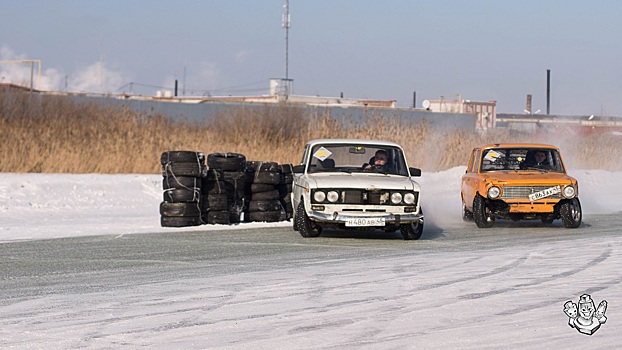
x=494, y=192
x=396, y=198
x=569, y=191
x=409, y=198
x=319, y=196
x=332, y=196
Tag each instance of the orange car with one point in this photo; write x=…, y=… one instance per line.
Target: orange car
x=519, y=182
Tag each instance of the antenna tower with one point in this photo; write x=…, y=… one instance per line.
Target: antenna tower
x=286, y=25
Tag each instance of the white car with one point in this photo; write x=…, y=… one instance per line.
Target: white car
x=338, y=185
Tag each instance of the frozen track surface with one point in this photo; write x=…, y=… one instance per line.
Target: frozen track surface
x=459, y=287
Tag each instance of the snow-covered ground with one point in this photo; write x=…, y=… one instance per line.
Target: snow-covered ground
x=434, y=298
x=42, y=206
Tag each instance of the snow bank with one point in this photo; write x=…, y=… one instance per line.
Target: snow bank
x=44, y=206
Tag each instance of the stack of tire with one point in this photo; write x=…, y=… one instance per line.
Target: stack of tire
x=285, y=191
x=223, y=188
x=182, y=173
x=262, y=198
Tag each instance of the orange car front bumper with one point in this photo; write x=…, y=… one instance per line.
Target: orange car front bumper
x=532, y=207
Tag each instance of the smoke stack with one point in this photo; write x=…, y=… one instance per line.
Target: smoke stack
x=548, y=91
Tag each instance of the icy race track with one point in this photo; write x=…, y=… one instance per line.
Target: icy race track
x=265, y=287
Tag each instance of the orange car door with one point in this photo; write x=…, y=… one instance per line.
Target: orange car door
x=469, y=179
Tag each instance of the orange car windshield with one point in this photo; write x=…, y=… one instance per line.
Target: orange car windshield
x=521, y=159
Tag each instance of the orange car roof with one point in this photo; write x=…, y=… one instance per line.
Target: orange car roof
x=516, y=145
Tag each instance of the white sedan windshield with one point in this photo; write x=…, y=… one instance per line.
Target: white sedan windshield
x=357, y=158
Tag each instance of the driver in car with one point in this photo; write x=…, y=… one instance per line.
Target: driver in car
x=536, y=160
x=379, y=161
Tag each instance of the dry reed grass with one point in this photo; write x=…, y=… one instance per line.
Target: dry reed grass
x=54, y=135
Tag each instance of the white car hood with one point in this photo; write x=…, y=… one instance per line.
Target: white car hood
x=359, y=180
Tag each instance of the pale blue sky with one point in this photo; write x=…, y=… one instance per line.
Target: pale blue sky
x=481, y=49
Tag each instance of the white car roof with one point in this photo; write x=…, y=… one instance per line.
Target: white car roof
x=353, y=141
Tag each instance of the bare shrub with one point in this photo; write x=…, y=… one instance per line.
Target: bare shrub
x=52, y=134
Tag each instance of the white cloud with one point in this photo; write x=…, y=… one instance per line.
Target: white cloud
x=6, y=53
x=93, y=78
x=96, y=78
x=12, y=71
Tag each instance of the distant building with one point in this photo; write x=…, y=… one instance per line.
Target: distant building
x=305, y=100
x=281, y=90
x=485, y=112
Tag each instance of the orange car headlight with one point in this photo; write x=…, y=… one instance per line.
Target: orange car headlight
x=569, y=191
x=494, y=192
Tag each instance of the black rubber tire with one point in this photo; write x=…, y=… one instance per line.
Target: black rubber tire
x=571, y=213
x=288, y=209
x=214, y=187
x=294, y=221
x=263, y=216
x=235, y=206
x=215, y=202
x=222, y=217
x=268, y=205
x=480, y=213
x=287, y=206
x=180, y=221
x=181, y=195
x=236, y=198
x=187, y=182
x=259, y=166
x=182, y=156
x=412, y=231
x=257, y=188
x=234, y=175
x=467, y=216
x=226, y=161
x=286, y=179
x=286, y=168
x=294, y=225
x=263, y=196
x=286, y=199
x=306, y=227
x=184, y=169
x=283, y=191
x=214, y=175
x=264, y=177
x=180, y=209
x=235, y=180
x=284, y=216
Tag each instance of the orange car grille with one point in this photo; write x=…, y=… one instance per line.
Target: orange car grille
x=523, y=192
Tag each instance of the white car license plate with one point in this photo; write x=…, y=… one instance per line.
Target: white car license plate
x=365, y=222
x=544, y=193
